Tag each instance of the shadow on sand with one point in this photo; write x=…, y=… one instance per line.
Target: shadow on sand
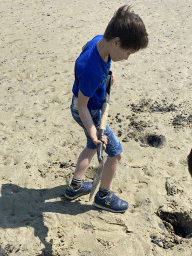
x=21, y=207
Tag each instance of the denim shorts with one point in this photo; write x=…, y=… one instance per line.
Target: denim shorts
x=114, y=147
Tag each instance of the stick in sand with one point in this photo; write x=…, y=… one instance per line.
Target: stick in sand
x=102, y=128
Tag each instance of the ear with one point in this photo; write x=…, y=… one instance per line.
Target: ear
x=116, y=41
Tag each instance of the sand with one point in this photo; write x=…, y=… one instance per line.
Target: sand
x=150, y=112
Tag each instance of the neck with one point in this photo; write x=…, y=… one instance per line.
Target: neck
x=103, y=49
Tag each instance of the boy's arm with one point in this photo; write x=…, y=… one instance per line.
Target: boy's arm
x=86, y=117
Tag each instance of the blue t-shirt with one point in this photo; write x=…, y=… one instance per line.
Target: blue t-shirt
x=91, y=73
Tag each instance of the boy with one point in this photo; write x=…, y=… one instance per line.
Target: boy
x=124, y=35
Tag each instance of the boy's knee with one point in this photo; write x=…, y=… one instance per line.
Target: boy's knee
x=119, y=156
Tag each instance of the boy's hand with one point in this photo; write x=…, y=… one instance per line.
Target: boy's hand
x=104, y=140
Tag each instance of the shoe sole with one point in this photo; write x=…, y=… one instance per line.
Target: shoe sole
x=107, y=209
x=74, y=197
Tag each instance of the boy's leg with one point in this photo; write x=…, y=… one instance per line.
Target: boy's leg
x=105, y=199
x=83, y=162
x=109, y=171
x=78, y=187
x=114, y=151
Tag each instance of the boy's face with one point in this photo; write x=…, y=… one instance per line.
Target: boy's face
x=119, y=54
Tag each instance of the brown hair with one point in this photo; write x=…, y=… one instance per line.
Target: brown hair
x=129, y=27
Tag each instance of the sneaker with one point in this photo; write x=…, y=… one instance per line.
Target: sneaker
x=110, y=203
x=85, y=189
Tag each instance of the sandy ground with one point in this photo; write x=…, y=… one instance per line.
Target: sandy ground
x=150, y=112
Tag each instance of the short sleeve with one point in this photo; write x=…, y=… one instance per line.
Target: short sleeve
x=89, y=82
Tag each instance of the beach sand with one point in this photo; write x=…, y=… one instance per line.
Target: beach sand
x=150, y=112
